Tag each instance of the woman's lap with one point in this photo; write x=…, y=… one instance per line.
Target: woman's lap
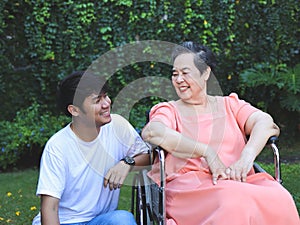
x=215, y=202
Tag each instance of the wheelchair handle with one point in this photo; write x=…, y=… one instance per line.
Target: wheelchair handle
x=272, y=140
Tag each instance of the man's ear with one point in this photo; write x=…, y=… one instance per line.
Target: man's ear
x=74, y=110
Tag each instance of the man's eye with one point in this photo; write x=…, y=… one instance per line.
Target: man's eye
x=103, y=95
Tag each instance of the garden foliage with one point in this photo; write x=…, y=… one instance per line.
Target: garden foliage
x=22, y=139
x=42, y=41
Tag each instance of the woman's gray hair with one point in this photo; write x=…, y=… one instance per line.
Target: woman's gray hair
x=203, y=55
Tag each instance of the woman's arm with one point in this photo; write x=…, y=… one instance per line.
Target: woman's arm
x=49, y=210
x=259, y=127
x=172, y=141
x=183, y=147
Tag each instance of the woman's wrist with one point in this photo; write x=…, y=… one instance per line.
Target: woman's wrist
x=209, y=154
x=249, y=153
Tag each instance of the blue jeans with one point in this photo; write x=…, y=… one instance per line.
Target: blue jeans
x=117, y=217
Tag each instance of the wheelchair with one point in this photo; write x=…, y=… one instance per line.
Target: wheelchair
x=148, y=197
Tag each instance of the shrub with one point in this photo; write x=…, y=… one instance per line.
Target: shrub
x=26, y=135
x=276, y=89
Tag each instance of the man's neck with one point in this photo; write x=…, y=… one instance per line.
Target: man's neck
x=85, y=133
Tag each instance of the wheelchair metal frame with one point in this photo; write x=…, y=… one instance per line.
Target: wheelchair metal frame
x=149, y=200
x=148, y=197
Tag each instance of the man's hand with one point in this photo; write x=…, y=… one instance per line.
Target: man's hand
x=116, y=175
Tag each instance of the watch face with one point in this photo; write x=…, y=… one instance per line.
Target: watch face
x=129, y=160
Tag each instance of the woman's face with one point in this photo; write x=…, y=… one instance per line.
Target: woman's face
x=189, y=83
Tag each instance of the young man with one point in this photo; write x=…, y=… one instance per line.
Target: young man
x=84, y=164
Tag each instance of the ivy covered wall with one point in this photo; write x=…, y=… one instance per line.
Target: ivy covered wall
x=44, y=40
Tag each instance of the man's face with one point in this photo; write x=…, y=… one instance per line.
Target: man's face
x=96, y=110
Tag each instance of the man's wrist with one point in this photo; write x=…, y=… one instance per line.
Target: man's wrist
x=129, y=160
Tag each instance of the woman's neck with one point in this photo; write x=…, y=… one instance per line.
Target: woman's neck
x=202, y=105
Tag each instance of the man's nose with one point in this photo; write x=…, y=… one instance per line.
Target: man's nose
x=106, y=102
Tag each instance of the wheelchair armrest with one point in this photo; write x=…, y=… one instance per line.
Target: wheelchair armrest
x=257, y=168
x=272, y=143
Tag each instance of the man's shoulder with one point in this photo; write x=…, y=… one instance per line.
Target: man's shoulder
x=117, y=117
x=119, y=121
x=121, y=127
x=60, y=137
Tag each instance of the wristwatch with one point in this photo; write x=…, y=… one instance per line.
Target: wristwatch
x=129, y=160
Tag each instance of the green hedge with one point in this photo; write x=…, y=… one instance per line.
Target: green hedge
x=42, y=41
x=25, y=136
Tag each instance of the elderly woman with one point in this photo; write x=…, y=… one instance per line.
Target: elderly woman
x=209, y=163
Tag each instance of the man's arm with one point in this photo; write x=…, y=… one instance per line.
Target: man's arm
x=116, y=175
x=49, y=210
x=141, y=161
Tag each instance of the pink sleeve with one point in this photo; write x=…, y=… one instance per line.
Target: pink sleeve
x=240, y=109
x=164, y=112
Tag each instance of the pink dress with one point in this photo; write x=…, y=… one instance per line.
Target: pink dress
x=192, y=199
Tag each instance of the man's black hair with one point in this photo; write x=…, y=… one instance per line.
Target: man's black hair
x=74, y=88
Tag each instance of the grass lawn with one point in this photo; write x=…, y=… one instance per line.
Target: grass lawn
x=18, y=203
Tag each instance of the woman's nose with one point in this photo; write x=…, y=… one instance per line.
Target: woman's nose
x=179, y=78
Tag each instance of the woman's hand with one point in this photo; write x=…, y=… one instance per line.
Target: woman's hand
x=216, y=166
x=238, y=171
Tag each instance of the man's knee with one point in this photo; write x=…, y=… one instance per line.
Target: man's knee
x=123, y=217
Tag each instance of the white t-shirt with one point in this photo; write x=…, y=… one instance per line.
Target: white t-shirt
x=73, y=170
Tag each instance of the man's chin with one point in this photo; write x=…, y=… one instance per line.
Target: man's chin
x=105, y=120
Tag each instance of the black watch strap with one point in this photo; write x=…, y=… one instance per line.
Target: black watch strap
x=129, y=160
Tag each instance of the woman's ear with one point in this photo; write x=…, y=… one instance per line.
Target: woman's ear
x=74, y=110
x=206, y=73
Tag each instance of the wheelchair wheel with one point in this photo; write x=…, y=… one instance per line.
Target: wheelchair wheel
x=140, y=199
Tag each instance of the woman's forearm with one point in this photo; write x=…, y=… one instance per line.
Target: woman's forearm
x=172, y=141
x=260, y=127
